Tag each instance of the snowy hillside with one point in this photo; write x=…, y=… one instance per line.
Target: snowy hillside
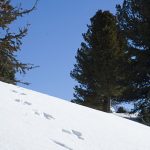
x=33, y=121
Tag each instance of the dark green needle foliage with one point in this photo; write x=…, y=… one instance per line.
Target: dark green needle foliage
x=10, y=42
x=98, y=63
x=134, y=21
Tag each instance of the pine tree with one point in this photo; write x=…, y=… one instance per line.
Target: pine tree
x=99, y=61
x=10, y=42
x=134, y=21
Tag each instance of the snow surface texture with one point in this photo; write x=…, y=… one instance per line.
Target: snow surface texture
x=33, y=121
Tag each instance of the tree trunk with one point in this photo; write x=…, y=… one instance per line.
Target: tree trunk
x=108, y=105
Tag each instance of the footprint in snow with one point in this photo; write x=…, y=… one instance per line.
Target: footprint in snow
x=23, y=94
x=17, y=100
x=66, y=131
x=76, y=133
x=36, y=113
x=62, y=145
x=27, y=103
x=23, y=102
x=48, y=116
x=14, y=91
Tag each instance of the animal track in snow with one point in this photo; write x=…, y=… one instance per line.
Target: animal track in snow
x=27, y=103
x=43, y=114
x=23, y=102
x=66, y=131
x=74, y=132
x=36, y=113
x=78, y=134
x=23, y=94
x=17, y=100
x=14, y=91
x=62, y=145
x=48, y=116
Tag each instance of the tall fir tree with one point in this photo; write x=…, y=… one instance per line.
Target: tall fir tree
x=134, y=21
x=10, y=42
x=99, y=64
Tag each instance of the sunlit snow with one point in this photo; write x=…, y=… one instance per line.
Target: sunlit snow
x=33, y=121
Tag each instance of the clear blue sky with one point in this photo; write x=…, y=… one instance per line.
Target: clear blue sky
x=54, y=36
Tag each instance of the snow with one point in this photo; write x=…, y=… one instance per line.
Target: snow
x=33, y=121
x=127, y=115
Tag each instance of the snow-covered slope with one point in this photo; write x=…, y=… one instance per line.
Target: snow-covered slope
x=33, y=121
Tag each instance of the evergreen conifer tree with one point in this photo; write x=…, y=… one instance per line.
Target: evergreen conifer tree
x=134, y=21
x=10, y=42
x=99, y=64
